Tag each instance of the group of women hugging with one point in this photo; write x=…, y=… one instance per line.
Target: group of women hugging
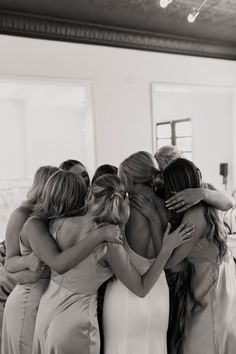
x=151, y=231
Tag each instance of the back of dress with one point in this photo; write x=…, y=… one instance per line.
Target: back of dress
x=67, y=316
x=88, y=275
x=134, y=325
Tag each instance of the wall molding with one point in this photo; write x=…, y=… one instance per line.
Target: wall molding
x=25, y=25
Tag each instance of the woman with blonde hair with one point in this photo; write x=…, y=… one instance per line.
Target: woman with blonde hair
x=35, y=240
x=15, y=262
x=71, y=299
x=146, y=320
x=166, y=154
x=26, y=269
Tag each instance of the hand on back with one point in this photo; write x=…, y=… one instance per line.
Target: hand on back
x=178, y=237
x=185, y=199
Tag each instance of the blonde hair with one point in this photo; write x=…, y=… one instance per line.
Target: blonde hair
x=109, y=201
x=63, y=196
x=40, y=178
x=140, y=167
x=166, y=154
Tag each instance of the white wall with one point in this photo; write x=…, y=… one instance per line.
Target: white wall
x=122, y=80
x=13, y=153
x=211, y=113
x=54, y=134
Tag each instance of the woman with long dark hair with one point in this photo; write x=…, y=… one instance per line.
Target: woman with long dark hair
x=210, y=317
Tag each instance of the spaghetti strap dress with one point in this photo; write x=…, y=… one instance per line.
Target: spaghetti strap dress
x=210, y=326
x=134, y=325
x=67, y=316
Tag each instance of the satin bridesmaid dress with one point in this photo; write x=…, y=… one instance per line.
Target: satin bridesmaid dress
x=20, y=313
x=134, y=325
x=210, y=326
x=67, y=316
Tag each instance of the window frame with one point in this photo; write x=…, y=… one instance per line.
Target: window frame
x=173, y=136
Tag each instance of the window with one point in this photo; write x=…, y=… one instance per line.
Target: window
x=41, y=123
x=177, y=132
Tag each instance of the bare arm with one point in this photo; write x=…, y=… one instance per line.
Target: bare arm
x=14, y=261
x=196, y=216
x=191, y=196
x=37, y=235
x=26, y=276
x=119, y=261
x=219, y=200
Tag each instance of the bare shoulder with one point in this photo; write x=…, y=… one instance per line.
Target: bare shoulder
x=17, y=219
x=20, y=213
x=196, y=216
x=34, y=223
x=73, y=224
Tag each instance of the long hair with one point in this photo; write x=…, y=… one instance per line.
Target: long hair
x=40, y=178
x=109, y=201
x=63, y=196
x=140, y=167
x=181, y=174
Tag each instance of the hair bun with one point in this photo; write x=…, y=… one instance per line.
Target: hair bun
x=157, y=179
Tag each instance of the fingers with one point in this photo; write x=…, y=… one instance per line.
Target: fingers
x=139, y=202
x=176, y=197
x=140, y=198
x=182, y=226
x=186, y=234
x=167, y=231
x=185, y=207
x=135, y=205
x=177, y=205
x=188, y=231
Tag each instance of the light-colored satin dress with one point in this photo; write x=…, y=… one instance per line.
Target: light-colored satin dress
x=7, y=284
x=20, y=313
x=134, y=325
x=210, y=327
x=67, y=316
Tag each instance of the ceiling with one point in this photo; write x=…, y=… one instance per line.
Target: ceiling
x=139, y=24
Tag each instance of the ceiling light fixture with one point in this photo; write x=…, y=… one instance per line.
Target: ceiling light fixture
x=165, y=3
x=195, y=12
